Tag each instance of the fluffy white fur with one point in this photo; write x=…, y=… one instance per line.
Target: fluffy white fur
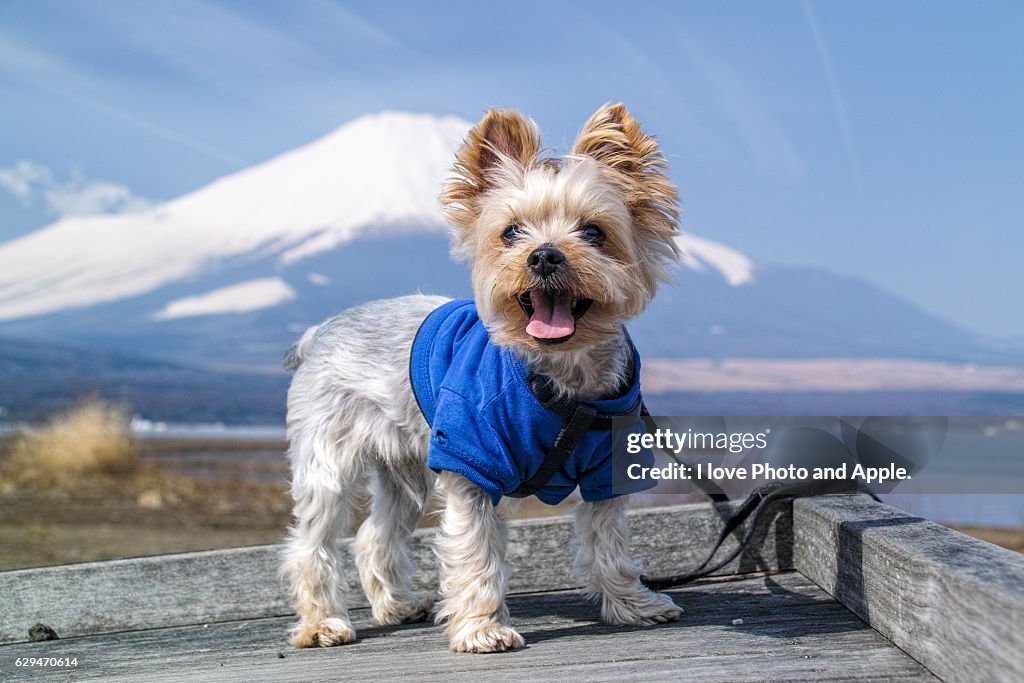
x=354, y=426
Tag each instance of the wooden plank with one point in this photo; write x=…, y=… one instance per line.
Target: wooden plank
x=952, y=602
x=791, y=631
x=241, y=583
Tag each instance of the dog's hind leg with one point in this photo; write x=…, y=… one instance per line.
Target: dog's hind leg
x=474, y=575
x=381, y=546
x=326, y=485
x=609, y=573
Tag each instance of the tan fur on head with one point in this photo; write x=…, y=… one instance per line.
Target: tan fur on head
x=498, y=149
x=614, y=137
x=614, y=179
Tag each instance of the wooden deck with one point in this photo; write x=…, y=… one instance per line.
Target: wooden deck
x=838, y=588
x=791, y=631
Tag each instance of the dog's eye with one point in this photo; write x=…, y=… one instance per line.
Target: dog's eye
x=511, y=234
x=592, y=234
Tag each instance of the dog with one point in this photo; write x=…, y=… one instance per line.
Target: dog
x=564, y=252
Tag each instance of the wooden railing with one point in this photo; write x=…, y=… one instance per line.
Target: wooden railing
x=954, y=603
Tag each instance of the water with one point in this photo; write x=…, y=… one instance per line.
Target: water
x=263, y=463
x=150, y=429
x=1004, y=510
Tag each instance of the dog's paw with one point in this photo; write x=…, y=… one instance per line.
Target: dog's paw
x=486, y=637
x=414, y=609
x=642, y=608
x=327, y=633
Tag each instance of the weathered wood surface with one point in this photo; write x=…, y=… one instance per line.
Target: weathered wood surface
x=241, y=583
x=952, y=602
x=791, y=631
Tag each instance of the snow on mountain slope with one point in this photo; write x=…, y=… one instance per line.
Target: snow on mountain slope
x=379, y=172
x=699, y=253
x=241, y=298
x=373, y=176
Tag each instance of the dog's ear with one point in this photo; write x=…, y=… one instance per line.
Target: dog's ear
x=495, y=151
x=613, y=137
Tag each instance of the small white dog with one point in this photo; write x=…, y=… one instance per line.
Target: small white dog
x=563, y=252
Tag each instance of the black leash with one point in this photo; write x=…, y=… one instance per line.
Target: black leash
x=580, y=418
x=752, y=508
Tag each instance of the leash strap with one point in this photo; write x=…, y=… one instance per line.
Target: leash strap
x=579, y=418
x=752, y=509
x=573, y=431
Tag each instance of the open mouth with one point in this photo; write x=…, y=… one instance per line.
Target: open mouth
x=552, y=315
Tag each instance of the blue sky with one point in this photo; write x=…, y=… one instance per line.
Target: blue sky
x=878, y=139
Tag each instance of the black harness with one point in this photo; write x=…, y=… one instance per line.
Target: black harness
x=578, y=419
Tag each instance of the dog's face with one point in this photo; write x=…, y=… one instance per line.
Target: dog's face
x=563, y=251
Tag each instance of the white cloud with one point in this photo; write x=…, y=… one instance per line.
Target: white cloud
x=76, y=196
x=243, y=297
x=20, y=179
x=318, y=279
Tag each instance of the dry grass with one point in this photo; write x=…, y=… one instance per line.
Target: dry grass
x=1011, y=539
x=90, y=499
x=93, y=438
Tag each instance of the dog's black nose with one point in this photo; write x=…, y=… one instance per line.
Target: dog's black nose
x=545, y=260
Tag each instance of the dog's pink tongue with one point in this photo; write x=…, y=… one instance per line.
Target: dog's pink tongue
x=552, y=316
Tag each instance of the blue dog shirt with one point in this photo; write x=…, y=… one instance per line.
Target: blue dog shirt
x=487, y=425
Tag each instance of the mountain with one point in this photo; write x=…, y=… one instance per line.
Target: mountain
x=226, y=277
x=377, y=173
x=38, y=379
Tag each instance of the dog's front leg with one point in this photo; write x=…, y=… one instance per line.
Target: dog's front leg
x=474, y=576
x=608, y=572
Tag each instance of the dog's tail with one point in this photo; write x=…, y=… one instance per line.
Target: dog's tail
x=297, y=353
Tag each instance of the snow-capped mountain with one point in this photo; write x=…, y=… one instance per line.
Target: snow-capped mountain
x=230, y=274
x=374, y=176
x=378, y=173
